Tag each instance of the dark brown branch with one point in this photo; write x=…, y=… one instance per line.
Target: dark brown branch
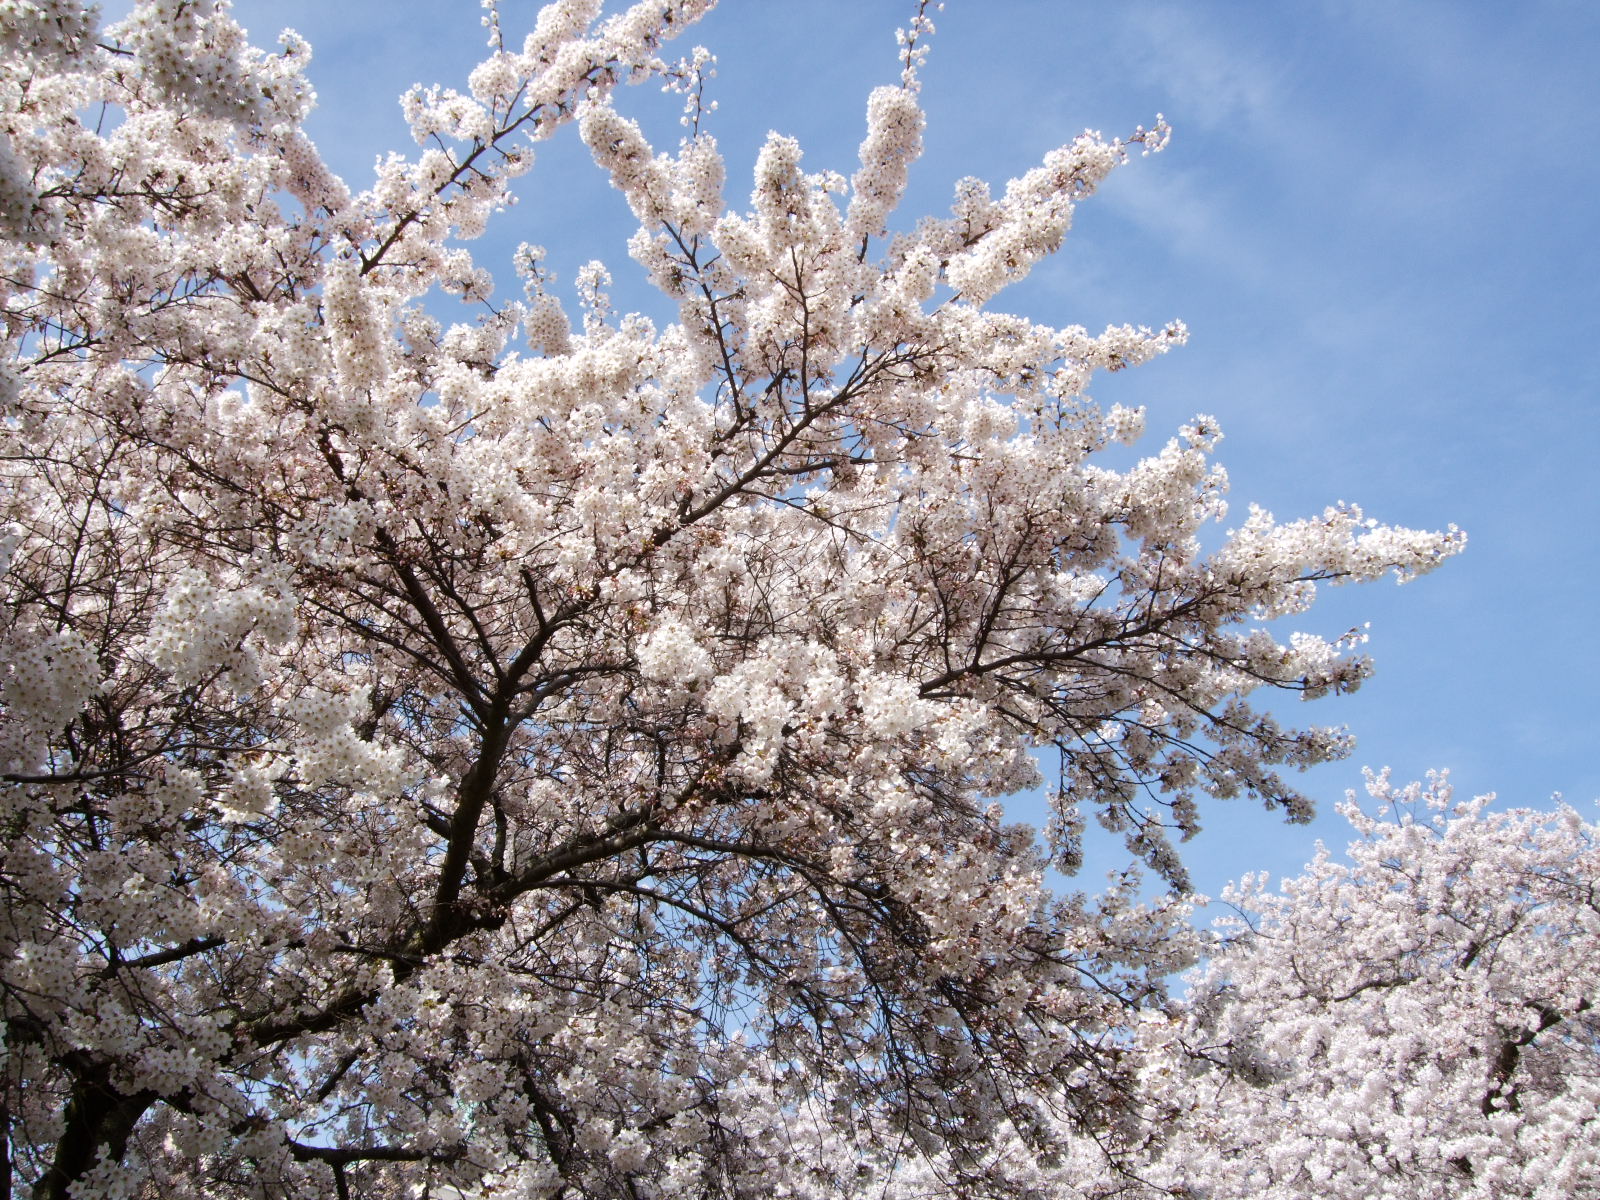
x=1502, y=1093
x=339, y=1156
x=97, y=1123
x=160, y=958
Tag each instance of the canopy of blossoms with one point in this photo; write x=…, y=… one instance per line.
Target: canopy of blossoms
x=554, y=753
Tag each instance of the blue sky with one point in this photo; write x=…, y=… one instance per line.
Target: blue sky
x=1376, y=217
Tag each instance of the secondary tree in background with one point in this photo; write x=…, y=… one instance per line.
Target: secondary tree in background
x=1416, y=1020
x=552, y=753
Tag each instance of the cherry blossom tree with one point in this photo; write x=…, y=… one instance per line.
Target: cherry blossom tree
x=1416, y=1021
x=552, y=752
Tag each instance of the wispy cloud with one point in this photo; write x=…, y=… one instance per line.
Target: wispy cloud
x=1212, y=79
x=1180, y=208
